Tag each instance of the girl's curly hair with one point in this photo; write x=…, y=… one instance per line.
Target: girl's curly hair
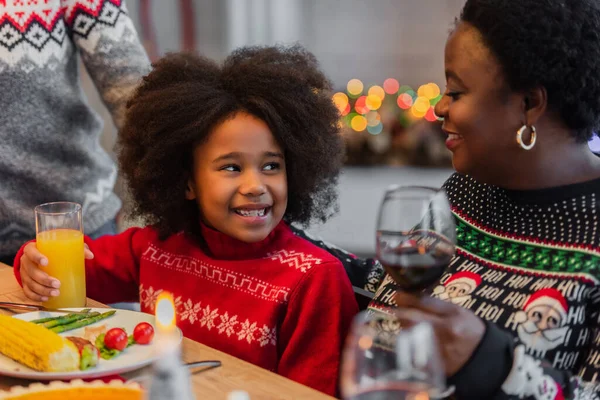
x=186, y=96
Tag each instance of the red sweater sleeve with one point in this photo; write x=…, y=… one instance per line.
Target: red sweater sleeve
x=319, y=315
x=113, y=274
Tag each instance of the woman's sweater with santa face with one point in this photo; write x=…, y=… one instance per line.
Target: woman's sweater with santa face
x=527, y=263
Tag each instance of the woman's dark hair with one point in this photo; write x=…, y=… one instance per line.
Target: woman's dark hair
x=186, y=96
x=553, y=44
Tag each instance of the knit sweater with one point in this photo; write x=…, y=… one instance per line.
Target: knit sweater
x=282, y=304
x=49, y=135
x=528, y=264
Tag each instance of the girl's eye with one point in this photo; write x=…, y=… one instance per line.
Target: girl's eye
x=272, y=166
x=231, y=168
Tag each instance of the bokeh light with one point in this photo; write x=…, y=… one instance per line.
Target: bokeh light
x=421, y=105
x=377, y=91
x=405, y=101
x=346, y=110
x=373, y=102
x=429, y=91
x=355, y=87
x=361, y=105
x=435, y=100
x=404, y=89
x=373, y=118
x=391, y=86
x=430, y=115
x=359, y=123
x=341, y=101
x=375, y=130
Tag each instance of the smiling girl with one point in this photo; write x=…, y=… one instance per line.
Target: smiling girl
x=219, y=160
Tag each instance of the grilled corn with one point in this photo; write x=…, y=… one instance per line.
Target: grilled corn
x=36, y=347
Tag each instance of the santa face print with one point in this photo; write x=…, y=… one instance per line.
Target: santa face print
x=458, y=289
x=544, y=317
x=542, y=328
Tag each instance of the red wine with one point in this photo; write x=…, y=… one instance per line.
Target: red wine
x=394, y=391
x=414, y=261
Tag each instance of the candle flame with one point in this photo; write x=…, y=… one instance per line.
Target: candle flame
x=165, y=312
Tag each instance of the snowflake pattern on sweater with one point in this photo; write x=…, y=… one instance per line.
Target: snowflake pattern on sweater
x=261, y=302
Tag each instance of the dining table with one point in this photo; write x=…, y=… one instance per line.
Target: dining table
x=233, y=375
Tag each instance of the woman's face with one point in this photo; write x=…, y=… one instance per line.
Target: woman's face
x=481, y=116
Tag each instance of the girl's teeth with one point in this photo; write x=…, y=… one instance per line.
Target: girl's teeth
x=453, y=136
x=251, y=213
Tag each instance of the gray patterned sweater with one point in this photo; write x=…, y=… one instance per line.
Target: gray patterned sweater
x=49, y=135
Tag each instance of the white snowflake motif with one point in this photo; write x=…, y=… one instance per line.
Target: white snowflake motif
x=148, y=297
x=228, y=324
x=268, y=336
x=247, y=331
x=208, y=317
x=190, y=311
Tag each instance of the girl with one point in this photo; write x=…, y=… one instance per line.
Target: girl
x=220, y=159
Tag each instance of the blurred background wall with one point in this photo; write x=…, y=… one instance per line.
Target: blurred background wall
x=370, y=41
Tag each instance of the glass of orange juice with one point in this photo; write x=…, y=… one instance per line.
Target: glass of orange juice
x=59, y=237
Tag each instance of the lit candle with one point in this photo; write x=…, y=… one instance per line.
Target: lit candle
x=170, y=379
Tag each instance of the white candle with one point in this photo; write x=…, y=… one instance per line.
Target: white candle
x=170, y=379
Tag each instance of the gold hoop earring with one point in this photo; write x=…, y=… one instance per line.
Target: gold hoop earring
x=520, y=138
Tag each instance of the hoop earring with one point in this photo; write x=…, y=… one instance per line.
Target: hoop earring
x=520, y=138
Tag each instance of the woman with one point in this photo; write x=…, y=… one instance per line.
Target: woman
x=516, y=313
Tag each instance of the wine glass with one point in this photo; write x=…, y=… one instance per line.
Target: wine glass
x=385, y=359
x=416, y=235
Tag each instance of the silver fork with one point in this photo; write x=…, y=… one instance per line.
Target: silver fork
x=35, y=307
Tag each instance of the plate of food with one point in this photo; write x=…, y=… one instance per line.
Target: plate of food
x=57, y=346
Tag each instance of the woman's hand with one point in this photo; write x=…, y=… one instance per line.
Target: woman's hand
x=457, y=329
x=37, y=284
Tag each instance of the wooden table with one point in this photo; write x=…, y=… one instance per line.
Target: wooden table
x=234, y=374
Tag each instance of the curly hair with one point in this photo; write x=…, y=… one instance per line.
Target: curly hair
x=553, y=44
x=186, y=96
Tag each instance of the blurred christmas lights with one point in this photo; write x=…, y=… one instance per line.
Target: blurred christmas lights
x=361, y=112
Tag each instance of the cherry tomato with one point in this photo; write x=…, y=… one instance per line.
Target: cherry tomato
x=143, y=333
x=116, y=338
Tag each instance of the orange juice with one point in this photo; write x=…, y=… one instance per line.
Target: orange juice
x=64, y=250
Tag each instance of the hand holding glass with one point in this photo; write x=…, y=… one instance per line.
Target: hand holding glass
x=59, y=237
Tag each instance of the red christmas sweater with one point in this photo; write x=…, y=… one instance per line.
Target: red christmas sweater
x=282, y=304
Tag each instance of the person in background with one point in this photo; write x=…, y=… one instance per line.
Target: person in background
x=49, y=135
x=517, y=310
x=220, y=159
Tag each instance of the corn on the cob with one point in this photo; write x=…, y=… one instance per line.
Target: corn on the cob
x=36, y=347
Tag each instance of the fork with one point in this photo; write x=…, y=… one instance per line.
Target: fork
x=35, y=307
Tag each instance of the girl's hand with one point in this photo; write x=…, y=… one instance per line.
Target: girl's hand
x=37, y=284
x=457, y=329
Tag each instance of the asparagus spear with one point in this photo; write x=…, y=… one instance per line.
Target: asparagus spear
x=82, y=322
x=67, y=319
x=42, y=320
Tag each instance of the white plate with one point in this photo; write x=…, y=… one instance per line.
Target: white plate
x=134, y=357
